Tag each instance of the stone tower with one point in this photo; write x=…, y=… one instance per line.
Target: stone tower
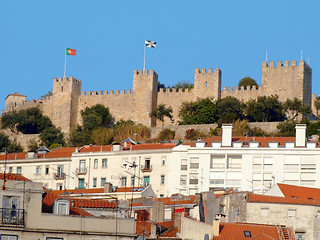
x=65, y=95
x=145, y=89
x=287, y=81
x=207, y=83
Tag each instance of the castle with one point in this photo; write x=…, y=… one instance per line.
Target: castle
x=66, y=102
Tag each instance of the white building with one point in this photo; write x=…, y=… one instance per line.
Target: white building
x=247, y=163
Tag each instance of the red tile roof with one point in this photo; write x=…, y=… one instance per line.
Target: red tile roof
x=14, y=177
x=235, y=231
x=282, y=200
x=299, y=192
x=144, y=228
x=95, y=190
x=169, y=201
x=262, y=140
x=95, y=148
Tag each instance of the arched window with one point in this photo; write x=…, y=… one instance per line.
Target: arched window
x=61, y=89
x=206, y=84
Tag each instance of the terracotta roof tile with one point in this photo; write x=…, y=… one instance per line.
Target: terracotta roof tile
x=235, y=231
x=14, y=177
x=285, y=200
x=299, y=192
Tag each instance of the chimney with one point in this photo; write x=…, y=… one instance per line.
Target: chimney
x=216, y=227
x=108, y=187
x=301, y=135
x=226, y=135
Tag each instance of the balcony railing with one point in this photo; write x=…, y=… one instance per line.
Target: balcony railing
x=12, y=216
x=146, y=168
x=81, y=171
x=59, y=176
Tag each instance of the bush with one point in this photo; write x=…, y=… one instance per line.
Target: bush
x=193, y=134
x=166, y=134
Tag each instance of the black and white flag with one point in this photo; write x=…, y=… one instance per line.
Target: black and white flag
x=151, y=44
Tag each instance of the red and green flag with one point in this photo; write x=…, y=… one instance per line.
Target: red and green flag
x=70, y=51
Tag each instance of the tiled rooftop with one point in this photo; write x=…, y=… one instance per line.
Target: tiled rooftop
x=236, y=231
x=292, y=191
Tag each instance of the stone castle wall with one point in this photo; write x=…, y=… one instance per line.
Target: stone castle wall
x=67, y=101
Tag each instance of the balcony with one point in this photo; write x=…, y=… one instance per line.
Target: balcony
x=146, y=168
x=11, y=216
x=81, y=171
x=59, y=176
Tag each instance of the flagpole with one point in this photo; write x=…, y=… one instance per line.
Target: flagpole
x=65, y=64
x=144, y=59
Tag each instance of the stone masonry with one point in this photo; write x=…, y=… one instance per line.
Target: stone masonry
x=64, y=106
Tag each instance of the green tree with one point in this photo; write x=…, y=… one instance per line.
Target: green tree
x=27, y=121
x=247, y=82
x=287, y=128
x=295, y=107
x=317, y=105
x=80, y=137
x=102, y=136
x=128, y=129
x=96, y=116
x=32, y=145
x=202, y=111
x=7, y=145
x=183, y=85
x=48, y=94
x=52, y=135
x=265, y=109
x=161, y=112
x=229, y=109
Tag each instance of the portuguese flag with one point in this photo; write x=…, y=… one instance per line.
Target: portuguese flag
x=70, y=51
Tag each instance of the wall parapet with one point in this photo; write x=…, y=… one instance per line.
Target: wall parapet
x=204, y=70
x=146, y=72
x=105, y=93
x=242, y=88
x=170, y=90
x=67, y=79
x=286, y=63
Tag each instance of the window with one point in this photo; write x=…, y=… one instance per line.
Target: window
x=18, y=170
x=52, y=238
x=194, y=163
x=146, y=180
x=291, y=213
x=193, y=179
x=247, y=233
x=104, y=163
x=221, y=209
x=161, y=195
x=60, y=171
x=147, y=163
x=162, y=179
x=264, y=212
x=81, y=183
x=47, y=169
x=82, y=166
x=184, y=164
x=163, y=160
x=38, y=170
x=124, y=181
x=94, y=182
x=10, y=214
x=183, y=179
x=10, y=169
x=61, y=207
x=59, y=186
x=132, y=181
x=8, y=237
x=299, y=236
x=95, y=165
x=103, y=181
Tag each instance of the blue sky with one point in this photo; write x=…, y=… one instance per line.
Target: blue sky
x=109, y=37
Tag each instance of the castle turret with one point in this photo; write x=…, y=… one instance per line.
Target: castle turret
x=145, y=88
x=65, y=94
x=287, y=81
x=207, y=83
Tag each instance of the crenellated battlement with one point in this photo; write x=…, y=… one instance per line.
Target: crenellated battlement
x=204, y=70
x=106, y=93
x=174, y=90
x=293, y=63
x=144, y=72
x=66, y=79
x=242, y=88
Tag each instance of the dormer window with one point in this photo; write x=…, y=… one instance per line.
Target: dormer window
x=247, y=233
x=61, y=207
